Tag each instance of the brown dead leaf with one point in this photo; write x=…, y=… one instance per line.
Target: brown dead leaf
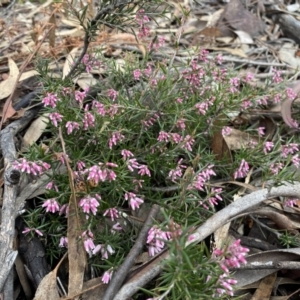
x=47, y=287
x=52, y=20
x=210, y=32
x=218, y=143
x=7, y=86
x=239, y=18
x=265, y=288
x=76, y=251
x=278, y=217
x=70, y=59
x=9, y=111
x=35, y=130
x=244, y=37
x=94, y=289
x=220, y=147
x=237, y=51
x=287, y=54
x=286, y=109
x=238, y=139
x=127, y=39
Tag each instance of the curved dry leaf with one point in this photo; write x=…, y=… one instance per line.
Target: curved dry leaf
x=29, y=74
x=265, y=288
x=76, y=252
x=245, y=38
x=35, y=130
x=245, y=277
x=85, y=80
x=220, y=147
x=287, y=55
x=47, y=289
x=127, y=39
x=286, y=109
x=69, y=62
x=238, y=139
x=7, y=86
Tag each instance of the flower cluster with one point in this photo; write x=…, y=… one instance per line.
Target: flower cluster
x=232, y=257
x=156, y=240
x=31, y=167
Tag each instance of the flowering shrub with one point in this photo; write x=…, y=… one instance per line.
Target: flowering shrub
x=146, y=138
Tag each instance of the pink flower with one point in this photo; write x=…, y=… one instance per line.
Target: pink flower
x=89, y=204
x=290, y=202
x=242, y=170
x=26, y=230
x=234, y=82
x=163, y=136
x=88, y=62
x=112, y=212
x=219, y=59
x=296, y=160
x=177, y=172
x=50, y=100
x=277, y=76
x=274, y=168
x=277, y=98
x=71, y=126
x=51, y=186
x=249, y=77
x=116, y=227
x=89, y=245
x=215, y=196
x=290, y=94
x=31, y=167
x=55, y=118
x=116, y=137
x=202, y=107
x=233, y=257
x=203, y=177
x=88, y=241
x=126, y=154
x=88, y=120
x=180, y=124
x=64, y=209
x=137, y=74
x=260, y=131
x=134, y=201
x=187, y=143
x=63, y=242
x=100, y=173
x=105, y=250
x=226, y=130
x=99, y=108
x=107, y=276
x=262, y=101
x=51, y=205
x=80, y=165
x=268, y=146
x=79, y=96
x=175, y=138
x=132, y=164
x=156, y=240
x=246, y=104
x=112, y=94
x=143, y=170
x=289, y=149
